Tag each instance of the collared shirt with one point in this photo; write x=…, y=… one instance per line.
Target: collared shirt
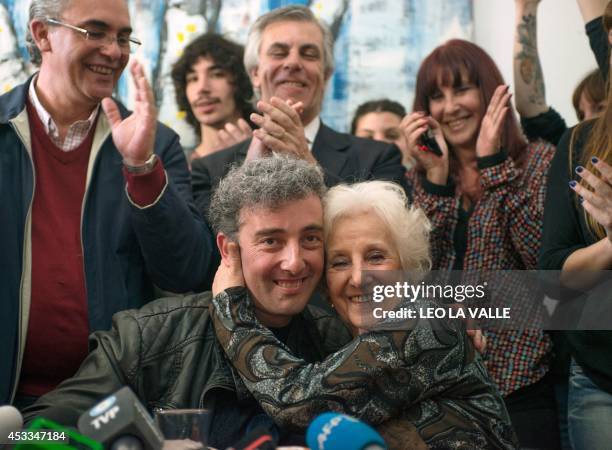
x=311, y=130
x=77, y=132
x=143, y=189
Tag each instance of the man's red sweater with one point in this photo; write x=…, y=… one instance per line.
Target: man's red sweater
x=58, y=324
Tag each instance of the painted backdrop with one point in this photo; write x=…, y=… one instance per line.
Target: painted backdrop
x=378, y=44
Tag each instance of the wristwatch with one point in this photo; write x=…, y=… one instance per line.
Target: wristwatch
x=145, y=168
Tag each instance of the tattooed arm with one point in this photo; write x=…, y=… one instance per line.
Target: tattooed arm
x=530, y=95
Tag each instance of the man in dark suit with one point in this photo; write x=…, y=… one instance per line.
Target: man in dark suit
x=289, y=57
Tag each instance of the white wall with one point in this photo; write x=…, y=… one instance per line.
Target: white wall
x=563, y=46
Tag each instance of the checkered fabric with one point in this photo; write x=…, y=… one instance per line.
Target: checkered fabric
x=504, y=232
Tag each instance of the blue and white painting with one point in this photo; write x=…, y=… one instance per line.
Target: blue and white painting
x=379, y=45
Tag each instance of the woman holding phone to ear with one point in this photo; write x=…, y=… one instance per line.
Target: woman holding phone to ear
x=484, y=196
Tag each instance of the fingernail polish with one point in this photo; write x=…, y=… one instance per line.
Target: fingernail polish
x=579, y=169
x=572, y=184
x=580, y=199
x=594, y=160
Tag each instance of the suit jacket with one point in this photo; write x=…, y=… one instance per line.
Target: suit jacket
x=343, y=158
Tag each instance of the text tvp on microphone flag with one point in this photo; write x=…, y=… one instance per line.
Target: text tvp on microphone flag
x=121, y=419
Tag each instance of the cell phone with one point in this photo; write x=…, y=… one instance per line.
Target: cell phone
x=429, y=144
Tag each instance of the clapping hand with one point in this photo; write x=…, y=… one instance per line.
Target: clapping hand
x=598, y=201
x=134, y=136
x=233, y=134
x=489, y=138
x=281, y=128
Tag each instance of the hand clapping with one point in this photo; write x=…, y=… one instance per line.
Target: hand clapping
x=598, y=201
x=281, y=130
x=489, y=138
x=134, y=136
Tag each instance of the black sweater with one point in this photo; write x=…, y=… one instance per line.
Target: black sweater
x=565, y=231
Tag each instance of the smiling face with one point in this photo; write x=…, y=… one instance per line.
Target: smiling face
x=281, y=252
x=210, y=93
x=291, y=65
x=380, y=126
x=459, y=110
x=84, y=71
x=356, y=243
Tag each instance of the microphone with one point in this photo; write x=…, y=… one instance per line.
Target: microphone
x=117, y=417
x=259, y=438
x=332, y=431
x=126, y=443
x=10, y=421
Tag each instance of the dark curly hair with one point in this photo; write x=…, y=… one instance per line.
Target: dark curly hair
x=228, y=56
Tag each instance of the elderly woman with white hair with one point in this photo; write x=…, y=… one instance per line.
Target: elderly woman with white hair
x=428, y=376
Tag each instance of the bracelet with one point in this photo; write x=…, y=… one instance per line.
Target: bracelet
x=145, y=168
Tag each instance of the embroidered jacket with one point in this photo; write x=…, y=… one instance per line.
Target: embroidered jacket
x=428, y=375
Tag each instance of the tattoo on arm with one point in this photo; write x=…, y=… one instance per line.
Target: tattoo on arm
x=529, y=61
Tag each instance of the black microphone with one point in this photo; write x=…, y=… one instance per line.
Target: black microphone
x=119, y=416
x=259, y=438
x=333, y=431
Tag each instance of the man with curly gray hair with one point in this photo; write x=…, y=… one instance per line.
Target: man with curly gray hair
x=271, y=210
x=267, y=212
x=268, y=183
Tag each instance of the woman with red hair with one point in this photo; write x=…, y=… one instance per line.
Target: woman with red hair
x=483, y=191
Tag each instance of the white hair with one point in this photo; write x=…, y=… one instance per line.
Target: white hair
x=408, y=225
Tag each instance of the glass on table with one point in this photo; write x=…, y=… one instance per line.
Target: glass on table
x=184, y=429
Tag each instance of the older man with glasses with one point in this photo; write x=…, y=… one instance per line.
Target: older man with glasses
x=96, y=200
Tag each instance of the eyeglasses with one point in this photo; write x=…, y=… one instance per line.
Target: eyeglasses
x=126, y=44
